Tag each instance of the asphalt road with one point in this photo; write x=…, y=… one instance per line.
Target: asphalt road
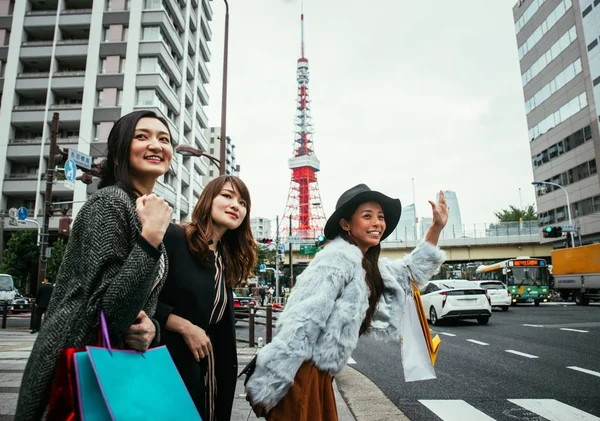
x=524, y=353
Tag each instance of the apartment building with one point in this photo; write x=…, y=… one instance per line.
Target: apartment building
x=93, y=61
x=560, y=65
x=261, y=227
x=213, y=136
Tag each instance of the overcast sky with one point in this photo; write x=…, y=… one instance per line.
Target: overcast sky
x=399, y=89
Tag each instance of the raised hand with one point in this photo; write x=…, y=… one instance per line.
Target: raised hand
x=440, y=212
x=155, y=215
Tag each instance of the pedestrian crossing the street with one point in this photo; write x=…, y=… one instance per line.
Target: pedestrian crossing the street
x=493, y=410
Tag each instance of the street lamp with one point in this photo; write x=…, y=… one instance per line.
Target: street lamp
x=224, y=96
x=187, y=150
x=539, y=183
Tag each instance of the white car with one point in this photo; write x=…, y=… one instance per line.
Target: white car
x=498, y=292
x=456, y=299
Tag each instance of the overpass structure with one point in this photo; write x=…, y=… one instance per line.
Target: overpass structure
x=492, y=242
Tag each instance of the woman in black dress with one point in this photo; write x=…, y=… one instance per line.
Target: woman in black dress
x=207, y=257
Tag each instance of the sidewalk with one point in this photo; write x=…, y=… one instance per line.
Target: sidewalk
x=15, y=347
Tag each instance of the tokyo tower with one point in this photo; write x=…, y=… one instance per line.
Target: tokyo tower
x=304, y=208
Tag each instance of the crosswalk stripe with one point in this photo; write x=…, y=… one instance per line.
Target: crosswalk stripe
x=585, y=370
x=554, y=410
x=455, y=410
x=533, y=325
x=445, y=333
x=522, y=354
x=476, y=342
x=574, y=330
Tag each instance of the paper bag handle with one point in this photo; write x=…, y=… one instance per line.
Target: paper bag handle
x=104, y=330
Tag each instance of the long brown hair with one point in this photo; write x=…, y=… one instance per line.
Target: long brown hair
x=370, y=264
x=237, y=246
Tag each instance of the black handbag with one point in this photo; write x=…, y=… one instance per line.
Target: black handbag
x=248, y=370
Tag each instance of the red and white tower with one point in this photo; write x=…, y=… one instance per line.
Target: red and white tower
x=304, y=200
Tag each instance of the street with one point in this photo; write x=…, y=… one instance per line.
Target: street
x=530, y=363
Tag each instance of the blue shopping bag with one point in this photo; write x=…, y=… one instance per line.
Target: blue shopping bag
x=128, y=385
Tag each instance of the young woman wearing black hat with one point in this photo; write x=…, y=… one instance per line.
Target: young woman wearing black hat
x=345, y=292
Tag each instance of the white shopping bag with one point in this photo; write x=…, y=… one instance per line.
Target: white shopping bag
x=416, y=359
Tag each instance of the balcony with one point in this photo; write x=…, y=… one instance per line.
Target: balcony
x=201, y=115
x=155, y=81
x=157, y=48
x=184, y=175
x=189, y=95
x=193, y=21
x=26, y=184
x=184, y=206
x=207, y=8
x=202, y=94
x=160, y=18
x=36, y=49
x=204, y=73
x=76, y=17
x=166, y=192
x=204, y=48
x=26, y=149
x=41, y=19
x=191, y=46
x=176, y=13
x=190, y=68
x=198, y=185
x=201, y=141
x=32, y=81
x=68, y=80
x=72, y=48
x=187, y=121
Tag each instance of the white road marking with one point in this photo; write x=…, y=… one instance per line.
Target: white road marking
x=522, y=354
x=584, y=370
x=351, y=361
x=533, y=325
x=554, y=410
x=476, y=342
x=455, y=410
x=446, y=333
x=574, y=330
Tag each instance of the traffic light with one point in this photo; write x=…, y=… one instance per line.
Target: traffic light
x=552, y=232
x=319, y=241
x=264, y=241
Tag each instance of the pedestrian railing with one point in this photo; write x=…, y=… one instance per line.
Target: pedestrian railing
x=252, y=316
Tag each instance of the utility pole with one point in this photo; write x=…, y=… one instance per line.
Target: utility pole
x=291, y=264
x=2, y=237
x=277, y=259
x=47, y=201
x=223, y=144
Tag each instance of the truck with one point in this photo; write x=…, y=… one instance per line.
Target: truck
x=576, y=273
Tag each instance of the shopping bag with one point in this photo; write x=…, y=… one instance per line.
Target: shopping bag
x=63, y=405
x=433, y=344
x=416, y=360
x=128, y=385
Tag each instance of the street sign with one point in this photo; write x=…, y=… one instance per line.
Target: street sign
x=282, y=248
x=262, y=268
x=294, y=239
x=307, y=249
x=12, y=213
x=80, y=159
x=22, y=213
x=70, y=170
x=568, y=228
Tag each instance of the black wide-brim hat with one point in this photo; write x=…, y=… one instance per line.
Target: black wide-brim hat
x=352, y=198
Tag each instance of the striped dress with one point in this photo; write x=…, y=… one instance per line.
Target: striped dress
x=218, y=310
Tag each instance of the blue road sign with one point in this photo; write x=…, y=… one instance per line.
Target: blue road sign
x=282, y=248
x=70, y=170
x=22, y=213
x=262, y=267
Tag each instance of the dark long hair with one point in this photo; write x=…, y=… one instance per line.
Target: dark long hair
x=370, y=264
x=239, y=256
x=115, y=168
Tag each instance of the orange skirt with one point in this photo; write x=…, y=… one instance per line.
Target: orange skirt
x=311, y=398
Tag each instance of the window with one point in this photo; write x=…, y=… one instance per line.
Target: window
x=146, y=97
x=586, y=11
x=210, y=173
x=103, y=65
x=153, y=4
x=148, y=65
x=151, y=33
x=592, y=44
x=593, y=167
x=119, y=97
x=100, y=96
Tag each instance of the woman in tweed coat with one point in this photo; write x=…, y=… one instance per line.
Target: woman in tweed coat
x=114, y=260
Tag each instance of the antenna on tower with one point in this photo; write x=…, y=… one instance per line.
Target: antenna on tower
x=302, y=27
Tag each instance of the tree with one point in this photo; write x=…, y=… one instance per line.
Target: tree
x=55, y=259
x=515, y=214
x=21, y=259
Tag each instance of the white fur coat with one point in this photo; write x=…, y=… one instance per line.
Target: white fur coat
x=323, y=315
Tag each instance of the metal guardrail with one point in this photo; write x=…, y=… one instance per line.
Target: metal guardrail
x=252, y=317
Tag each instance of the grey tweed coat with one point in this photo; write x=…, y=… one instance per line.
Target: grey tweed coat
x=107, y=265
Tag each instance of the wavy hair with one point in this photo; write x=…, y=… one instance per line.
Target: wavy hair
x=237, y=246
x=115, y=168
x=370, y=264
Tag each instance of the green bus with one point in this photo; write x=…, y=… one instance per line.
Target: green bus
x=526, y=278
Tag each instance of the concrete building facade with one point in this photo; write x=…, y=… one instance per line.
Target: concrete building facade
x=560, y=65
x=213, y=136
x=261, y=228
x=93, y=61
